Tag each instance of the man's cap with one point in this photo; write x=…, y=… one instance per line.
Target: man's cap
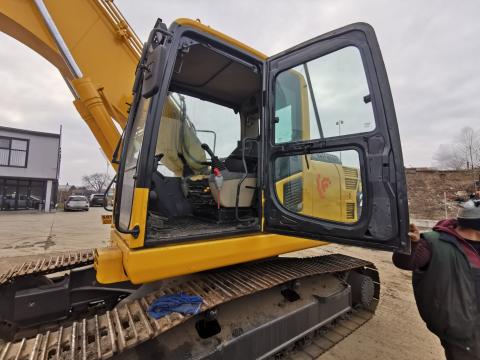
x=469, y=210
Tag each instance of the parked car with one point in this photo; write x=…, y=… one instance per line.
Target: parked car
x=76, y=202
x=34, y=202
x=96, y=200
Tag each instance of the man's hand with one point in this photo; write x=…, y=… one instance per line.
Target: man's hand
x=414, y=233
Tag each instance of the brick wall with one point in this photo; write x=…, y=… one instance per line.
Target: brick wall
x=426, y=188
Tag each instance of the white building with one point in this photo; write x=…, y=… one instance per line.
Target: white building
x=29, y=169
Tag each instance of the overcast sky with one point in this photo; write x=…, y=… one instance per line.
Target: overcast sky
x=431, y=50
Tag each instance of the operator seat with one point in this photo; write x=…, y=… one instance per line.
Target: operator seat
x=233, y=174
x=234, y=161
x=179, y=144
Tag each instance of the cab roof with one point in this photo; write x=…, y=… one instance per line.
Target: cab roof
x=199, y=26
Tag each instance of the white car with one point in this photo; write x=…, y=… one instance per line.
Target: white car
x=76, y=202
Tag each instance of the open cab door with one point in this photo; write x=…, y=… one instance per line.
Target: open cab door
x=333, y=162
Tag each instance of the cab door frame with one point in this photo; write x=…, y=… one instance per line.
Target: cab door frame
x=384, y=220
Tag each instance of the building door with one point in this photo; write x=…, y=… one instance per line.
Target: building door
x=37, y=195
x=22, y=195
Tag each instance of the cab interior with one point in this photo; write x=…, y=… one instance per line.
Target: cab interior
x=197, y=191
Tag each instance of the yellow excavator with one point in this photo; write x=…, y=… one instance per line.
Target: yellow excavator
x=226, y=158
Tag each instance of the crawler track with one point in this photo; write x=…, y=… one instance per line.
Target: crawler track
x=127, y=325
x=323, y=339
x=49, y=265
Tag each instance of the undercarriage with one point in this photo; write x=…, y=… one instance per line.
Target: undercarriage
x=264, y=309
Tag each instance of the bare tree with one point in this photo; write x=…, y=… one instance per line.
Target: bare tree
x=462, y=153
x=447, y=157
x=96, y=182
x=468, y=143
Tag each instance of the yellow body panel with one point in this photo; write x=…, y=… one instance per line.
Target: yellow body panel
x=139, y=217
x=109, y=266
x=324, y=195
x=150, y=264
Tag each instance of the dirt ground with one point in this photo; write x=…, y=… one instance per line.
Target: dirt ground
x=396, y=332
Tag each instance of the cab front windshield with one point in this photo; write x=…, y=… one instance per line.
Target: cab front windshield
x=136, y=137
x=134, y=145
x=187, y=123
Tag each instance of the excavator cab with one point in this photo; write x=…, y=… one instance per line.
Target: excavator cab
x=223, y=141
x=206, y=146
x=203, y=180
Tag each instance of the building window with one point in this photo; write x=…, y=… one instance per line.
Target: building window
x=13, y=152
x=21, y=194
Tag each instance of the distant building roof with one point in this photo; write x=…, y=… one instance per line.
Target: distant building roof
x=31, y=132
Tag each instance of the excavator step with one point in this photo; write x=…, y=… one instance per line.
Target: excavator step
x=128, y=324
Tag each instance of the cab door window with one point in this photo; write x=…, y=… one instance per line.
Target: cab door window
x=323, y=185
x=334, y=168
x=323, y=98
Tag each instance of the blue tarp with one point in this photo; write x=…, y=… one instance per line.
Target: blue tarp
x=181, y=303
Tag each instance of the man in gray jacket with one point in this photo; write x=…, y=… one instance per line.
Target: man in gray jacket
x=446, y=280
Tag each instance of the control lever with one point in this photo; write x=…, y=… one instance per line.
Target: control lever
x=216, y=163
x=217, y=168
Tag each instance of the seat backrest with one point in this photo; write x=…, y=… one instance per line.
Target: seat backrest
x=234, y=161
x=173, y=140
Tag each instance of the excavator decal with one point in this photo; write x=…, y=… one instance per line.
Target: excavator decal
x=323, y=184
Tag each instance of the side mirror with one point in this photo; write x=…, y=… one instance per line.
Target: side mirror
x=153, y=70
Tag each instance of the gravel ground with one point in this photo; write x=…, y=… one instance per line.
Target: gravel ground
x=396, y=332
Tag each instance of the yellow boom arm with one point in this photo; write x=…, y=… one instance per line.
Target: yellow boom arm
x=92, y=46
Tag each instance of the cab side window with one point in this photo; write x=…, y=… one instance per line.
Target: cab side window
x=323, y=98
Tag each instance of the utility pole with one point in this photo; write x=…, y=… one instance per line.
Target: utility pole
x=473, y=168
x=339, y=123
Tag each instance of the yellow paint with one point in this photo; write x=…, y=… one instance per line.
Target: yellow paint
x=108, y=265
x=96, y=115
x=324, y=201
x=138, y=217
x=150, y=264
